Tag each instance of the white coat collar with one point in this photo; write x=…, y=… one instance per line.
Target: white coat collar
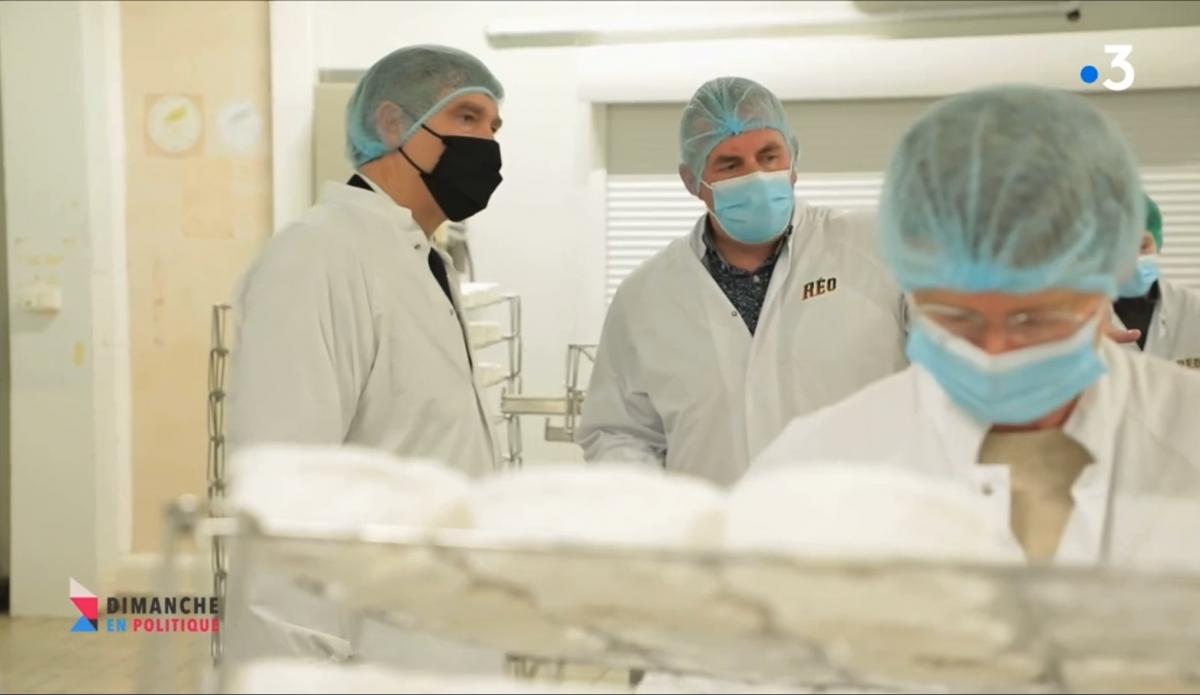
x=379, y=204
x=953, y=424
x=1093, y=423
x=1162, y=311
x=1159, y=320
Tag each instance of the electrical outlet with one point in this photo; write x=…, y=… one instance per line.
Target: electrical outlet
x=42, y=299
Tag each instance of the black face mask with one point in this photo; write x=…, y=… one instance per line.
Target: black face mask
x=464, y=179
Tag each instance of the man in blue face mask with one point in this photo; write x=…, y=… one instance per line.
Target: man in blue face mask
x=1166, y=315
x=1009, y=215
x=769, y=309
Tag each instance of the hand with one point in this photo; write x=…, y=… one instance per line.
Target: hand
x=1122, y=336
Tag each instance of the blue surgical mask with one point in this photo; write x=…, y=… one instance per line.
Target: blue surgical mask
x=1012, y=388
x=1143, y=278
x=755, y=208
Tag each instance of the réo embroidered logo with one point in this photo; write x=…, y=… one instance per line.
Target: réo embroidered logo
x=819, y=287
x=88, y=606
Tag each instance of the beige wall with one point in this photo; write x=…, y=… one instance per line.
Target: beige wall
x=194, y=222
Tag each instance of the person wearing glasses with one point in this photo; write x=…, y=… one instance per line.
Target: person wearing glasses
x=1009, y=216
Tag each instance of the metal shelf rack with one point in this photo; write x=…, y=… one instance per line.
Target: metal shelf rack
x=568, y=407
x=510, y=383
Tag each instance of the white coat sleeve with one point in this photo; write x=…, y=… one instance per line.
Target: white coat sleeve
x=619, y=422
x=305, y=342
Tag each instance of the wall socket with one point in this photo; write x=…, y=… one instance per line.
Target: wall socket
x=41, y=299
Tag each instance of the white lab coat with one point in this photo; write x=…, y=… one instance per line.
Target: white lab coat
x=345, y=336
x=1174, y=332
x=680, y=381
x=1140, y=497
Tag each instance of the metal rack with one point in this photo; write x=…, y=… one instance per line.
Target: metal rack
x=218, y=358
x=511, y=381
x=568, y=407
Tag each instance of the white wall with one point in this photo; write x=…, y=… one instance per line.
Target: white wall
x=59, y=69
x=293, y=74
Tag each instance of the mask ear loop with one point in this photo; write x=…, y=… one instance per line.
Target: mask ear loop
x=400, y=149
x=410, y=161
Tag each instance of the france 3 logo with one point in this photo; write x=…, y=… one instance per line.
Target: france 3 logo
x=1120, y=62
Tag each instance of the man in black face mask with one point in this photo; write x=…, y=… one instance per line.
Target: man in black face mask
x=350, y=329
x=350, y=323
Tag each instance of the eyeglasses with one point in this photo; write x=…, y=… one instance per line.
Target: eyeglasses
x=1022, y=328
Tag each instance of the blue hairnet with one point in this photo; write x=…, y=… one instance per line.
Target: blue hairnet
x=1012, y=189
x=723, y=108
x=420, y=80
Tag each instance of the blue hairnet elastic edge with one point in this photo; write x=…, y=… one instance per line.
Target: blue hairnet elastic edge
x=441, y=104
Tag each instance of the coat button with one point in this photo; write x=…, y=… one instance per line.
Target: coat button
x=733, y=313
x=987, y=489
x=416, y=247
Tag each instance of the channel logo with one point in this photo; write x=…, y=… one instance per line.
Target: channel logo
x=88, y=606
x=1120, y=53
x=151, y=613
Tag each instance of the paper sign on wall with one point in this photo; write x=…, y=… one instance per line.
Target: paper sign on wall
x=174, y=124
x=240, y=125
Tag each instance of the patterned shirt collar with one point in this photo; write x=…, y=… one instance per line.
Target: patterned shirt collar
x=713, y=255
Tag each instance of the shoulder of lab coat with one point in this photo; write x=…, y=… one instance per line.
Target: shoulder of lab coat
x=305, y=338
x=1191, y=293
x=857, y=233
x=619, y=423
x=1188, y=297
x=857, y=229
x=1154, y=405
x=1149, y=417
x=854, y=229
